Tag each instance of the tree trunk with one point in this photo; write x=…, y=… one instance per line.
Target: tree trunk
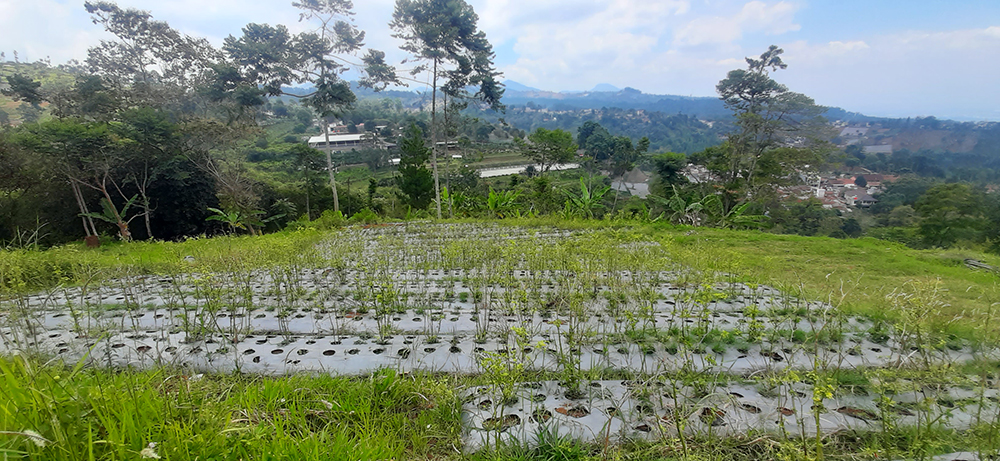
x=434, y=146
x=145, y=201
x=329, y=164
x=308, y=213
x=621, y=182
x=90, y=230
x=447, y=158
x=145, y=214
x=122, y=225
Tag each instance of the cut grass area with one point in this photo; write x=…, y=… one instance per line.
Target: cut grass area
x=500, y=159
x=861, y=276
x=81, y=414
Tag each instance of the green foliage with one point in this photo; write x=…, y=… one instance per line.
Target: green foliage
x=503, y=204
x=805, y=217
x=668, y=165
x=111, y=215
x=330, y=219
x=681, y=211
x=95, y=414
x=233, y=218
x=550, y=147
x=949, y=213
x=365, y=216
x=23, y=89
x=590, y=200
x=414, y=179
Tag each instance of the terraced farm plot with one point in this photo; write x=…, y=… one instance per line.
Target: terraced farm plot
x=573, y=333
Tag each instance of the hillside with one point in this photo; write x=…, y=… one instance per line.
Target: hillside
x=51, y=78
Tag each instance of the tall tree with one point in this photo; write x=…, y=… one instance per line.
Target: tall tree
x=414, y=179
x=768, y=117
x=442, y=36
x=266, y=59
x=149, y=143
x=87, y=154
x=158, y=64
x=623, y=157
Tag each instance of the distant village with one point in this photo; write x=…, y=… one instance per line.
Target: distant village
x=844, y=192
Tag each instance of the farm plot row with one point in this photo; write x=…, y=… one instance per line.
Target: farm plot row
x=548, y=317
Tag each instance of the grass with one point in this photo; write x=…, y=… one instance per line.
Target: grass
x=83, y=414
x=857, y=275
x=27, y=270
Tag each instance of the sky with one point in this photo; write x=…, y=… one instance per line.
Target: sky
x=896, y=58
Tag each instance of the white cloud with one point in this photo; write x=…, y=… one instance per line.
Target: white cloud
x=664, y=46
x=945, y=73
x=44, y=28
x=755, y=16
x=582, y=45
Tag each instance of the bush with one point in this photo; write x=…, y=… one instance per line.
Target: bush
x=909, y=236
x=365, y=216
x=330, y=219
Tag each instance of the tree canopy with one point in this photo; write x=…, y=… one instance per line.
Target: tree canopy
x=550, y=147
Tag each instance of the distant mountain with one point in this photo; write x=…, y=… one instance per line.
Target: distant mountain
x=605, y=87
x=628, y=98
x=515, y=86
x=518, y=94
x=608, y=96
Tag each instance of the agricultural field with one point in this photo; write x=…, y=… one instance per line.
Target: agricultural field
x=472, y=340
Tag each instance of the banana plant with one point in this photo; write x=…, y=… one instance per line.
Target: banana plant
x=112, y=215
x=503, y=204
x=735, y=218
x=237, y=219
x=590, y=199
x=708, y=211
x=233, y=218
x=681, y=211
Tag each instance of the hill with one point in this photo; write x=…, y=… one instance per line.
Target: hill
x=51, y=78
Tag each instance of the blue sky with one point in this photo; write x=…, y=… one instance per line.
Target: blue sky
x=879, y=57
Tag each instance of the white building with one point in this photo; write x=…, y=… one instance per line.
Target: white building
x=338, y=142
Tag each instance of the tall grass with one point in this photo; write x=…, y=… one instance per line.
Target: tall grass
x=90, y=414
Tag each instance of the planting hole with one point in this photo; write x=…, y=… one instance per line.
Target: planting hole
x=501, y=424
x=541, y=416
